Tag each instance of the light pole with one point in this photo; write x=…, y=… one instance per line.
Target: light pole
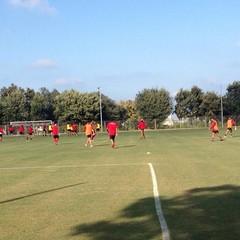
x=221, y=105
x=100, y=108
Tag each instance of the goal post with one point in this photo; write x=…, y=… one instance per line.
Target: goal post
x=37, y=125
x=29, y=123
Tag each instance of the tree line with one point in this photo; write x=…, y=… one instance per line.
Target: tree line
x=18, y=104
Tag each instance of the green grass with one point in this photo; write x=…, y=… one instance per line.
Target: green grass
x=71, y=191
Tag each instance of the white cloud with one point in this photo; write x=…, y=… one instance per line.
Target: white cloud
x=43, y=63
x=67, y=81
x=39, y=5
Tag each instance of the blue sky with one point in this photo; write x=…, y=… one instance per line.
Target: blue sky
x=122, y=46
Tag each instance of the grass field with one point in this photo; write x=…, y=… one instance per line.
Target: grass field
x=71, y=191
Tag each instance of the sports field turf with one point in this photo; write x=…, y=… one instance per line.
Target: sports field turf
x=71, y=191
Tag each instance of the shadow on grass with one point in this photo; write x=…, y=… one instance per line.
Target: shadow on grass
x=39, y=193
x=211, y=213
x=125, y=146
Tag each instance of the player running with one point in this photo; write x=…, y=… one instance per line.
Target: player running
x=214, y=128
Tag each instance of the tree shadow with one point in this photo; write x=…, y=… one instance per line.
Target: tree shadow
x=40, y=193
x=199, y=214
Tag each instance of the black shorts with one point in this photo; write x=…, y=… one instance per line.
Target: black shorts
x=215, y=131
x=55, y=136
x=112, y=137
x=1, y=134
x=89, y=135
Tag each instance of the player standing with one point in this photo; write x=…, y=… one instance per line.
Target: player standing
x=11, y=130
x=112, y=129
x=21, y=130
x=1, y=133
x=142, y=126
x=30, y=132
x=88, y=129
x=55, y=133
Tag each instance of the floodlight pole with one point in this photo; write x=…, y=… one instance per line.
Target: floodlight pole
x=221, y=106
x=100, y=107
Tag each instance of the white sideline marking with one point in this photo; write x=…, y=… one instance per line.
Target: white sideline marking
x=70, y=166
x=163, y=224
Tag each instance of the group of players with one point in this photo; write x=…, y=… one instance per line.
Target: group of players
x=91, y=128
x=215, y=131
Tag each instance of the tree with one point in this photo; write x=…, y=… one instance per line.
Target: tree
x=111, y=110
x=68, y=106
x=188, y=103
x=131, y=111
x=14, y=104
x=154, y=104
x=182, y=98
x=43, y=105
x=232, y=99
x=196, y=98
x=211, y=104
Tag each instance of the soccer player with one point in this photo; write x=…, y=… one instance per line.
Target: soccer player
x=214, y=128
x=88, y=129
x=98, y=127
x=69, y=129
x=142, y=126
x=230, y=124
x=55, y=133
x=30, y=132
x=112, y=129
x=75, y=129
x=21, y=130
x=44, y=127
x=94, y=132
x=1, y=133
x=50, y=129
x=11, y=130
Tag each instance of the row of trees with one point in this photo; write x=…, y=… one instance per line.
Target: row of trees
x=18, y=104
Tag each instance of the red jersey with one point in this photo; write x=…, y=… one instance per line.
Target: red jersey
x=142, y=125
x=21, y=129
x=112, y=128
x=74, y=127
x=214, y=125
x=54, y=130
x=10, y=128
x=30, y=130
x=1, y=131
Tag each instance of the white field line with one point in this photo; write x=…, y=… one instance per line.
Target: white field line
x=70, y=166
x=163, y=224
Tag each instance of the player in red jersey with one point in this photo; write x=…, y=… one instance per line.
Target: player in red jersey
x=21, y=130
x=214, y=128
x=30, y=132
x=112, y=129
x=142, y=126
x=11, y=130
x=1, y=133
x=55, y=133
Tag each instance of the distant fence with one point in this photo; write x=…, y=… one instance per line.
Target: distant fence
x=129, y=125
